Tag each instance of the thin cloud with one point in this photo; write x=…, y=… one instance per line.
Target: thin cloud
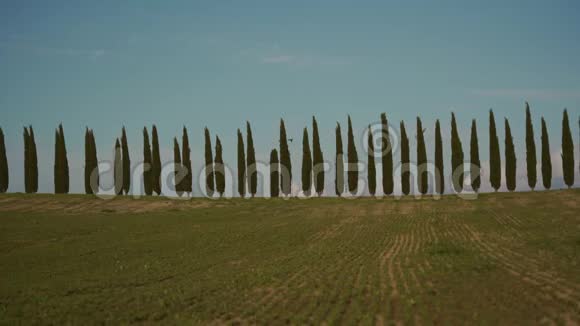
x=279, y=59
x=541, y=94
x=28, y=46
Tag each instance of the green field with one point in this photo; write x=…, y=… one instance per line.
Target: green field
x=503, y=258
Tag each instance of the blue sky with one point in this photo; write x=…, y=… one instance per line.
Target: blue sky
x=105, y=64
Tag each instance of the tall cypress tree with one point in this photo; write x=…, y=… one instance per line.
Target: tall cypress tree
x=4, y=176
x=147, y=175
x=339, y=171
x=209, y=172
x=531, y=160
x=34, y=162
x=88, y=164
x=494, y=154
x=60, y=163
x=186, y=162
x=94, y=162
x=456, y=156
x=567, y=152
x=178, y=168
x=58, y=188
x=475, y=166
x=372, y=171
x=510, y=158
x=439, y=166
x=317, y=160
x=274, y=174
x=546, y=157
x=386, y=156
x=118, y=169
x=26, y=161
x=422, y=176
x=285, y=162
x=220, y=171
x=405, y=162
x=352, y=158
x=251, y=161
x=241, y=165
x=155, y=162
x=126, y=163
x=306, y=164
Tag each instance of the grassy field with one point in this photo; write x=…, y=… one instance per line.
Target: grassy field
x=503, y=258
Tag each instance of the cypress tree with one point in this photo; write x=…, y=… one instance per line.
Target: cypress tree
x=147, y=175
x=251, y=161
x=4, y=176
x=405, y=162
x=285, y=162
x=155, y=162
x=439, y=167
x=126, y=163
x=546, y=157
x=88, y=164
x=186, y=163
x=352, y=158
x=317, y=160
x=475, y=166
x=456, y=156
x=220, y=171
x=494, y=155
x=209, y=172
x=34, y=163
x=95, y=182
x=386, y=156
x=372, y=171
x=510, y=158
x=58, y=185
x=241, y=165
x=274, y=174
x=178, y=168
x=118, y=169
x=60, y=163
x=26, y=161
x=422, y=176
x=531, y=160
x=567, y=152
x=339, y=177
x=306, y=164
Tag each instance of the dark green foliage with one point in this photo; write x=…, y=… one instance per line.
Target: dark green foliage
x=422, y=173
x=147, y=158
x=546, y=157
x=456, y=157
x=186, y=163
x=285, y=162
x=475, y=166
x=274, y=174
x=91, y=164
x=220, y=171
x=178, y=174
x=34, y=162
x=251, y=161
x=494, y=154
x=567, y=152
x=372, y=171
x=306, y=164
x=209, y=172
x=241, y=165
x=61, y=174
x=510, y=158
x=27, y=160
x=352, y=158
x=439, y=165
x=4, y=176
x=386, y=156
x=126, y=163
x=339, y=172
x=118, y=169
x=58, y=187
x=155, y=163
x=531, y=160
x=317, y=160
x=405, y=162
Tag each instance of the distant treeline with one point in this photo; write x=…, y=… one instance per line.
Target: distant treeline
x=312, y=172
